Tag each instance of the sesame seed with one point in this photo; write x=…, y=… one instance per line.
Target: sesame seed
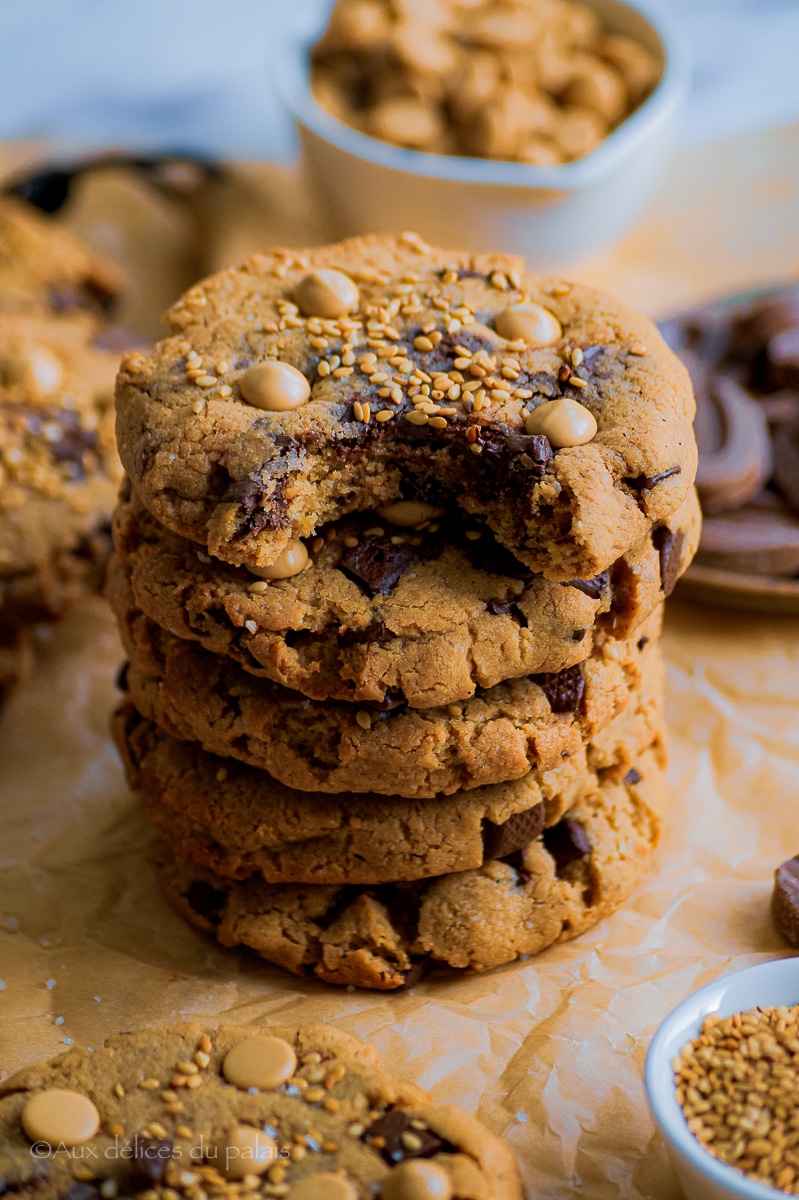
x=499, y=281
x=357, y=410
x=260, y=586
x=379, y=377
x=523, y=393
x=638, y=351
x=416, y=417
x=500, y=394
x=475, y=449
x=576, y=381
x=225, y=390
x=437, y=423
x=472, y=433
x=343, y=372
x=198, y=406
x=323, y=368
x=478, y=400
x=422, y=343
x=577, y=356
x=454, y=391
x=149, y=1085
x=473, y=534
x=462, y=363
x=385, y=414
x=398, y=540
x=350, y=542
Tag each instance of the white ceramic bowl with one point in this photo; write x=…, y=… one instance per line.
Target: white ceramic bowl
x=552, y=215
x=701, y=1175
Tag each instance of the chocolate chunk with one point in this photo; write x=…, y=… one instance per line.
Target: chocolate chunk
x=415, y=974
x=669, y=548
x=203, y=898
x=645, y=483
x=121, y=681
x=632, y=776
x=488, y=555
x=500, y=439
x=593, y=588
x=642, y=641
x=378, y=563
x=578, y=634
x=517, y=862
x=247, y=493
x=516, y=833
x=150, y=1158
x=498, y=607
x=785, y=900
x=375, y=632
x=390, y=1128
x=566, y=842
x=563, y=689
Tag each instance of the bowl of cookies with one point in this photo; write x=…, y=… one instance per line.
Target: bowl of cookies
x=534, y=127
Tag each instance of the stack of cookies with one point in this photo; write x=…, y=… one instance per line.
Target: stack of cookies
x=59, y=471
x=389, y=569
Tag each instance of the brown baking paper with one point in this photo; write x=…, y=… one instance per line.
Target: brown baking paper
x=549, y=1053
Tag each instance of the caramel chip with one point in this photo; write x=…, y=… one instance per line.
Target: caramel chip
x=409, y=512
x=259, y=1062
x=60, y=1117
x=293, y=560
x=326, y=293
x=245, y=1150
x=325, y=1186
x=564, y=422
x=528, y=323
x=274, y=386
x=417, y=1180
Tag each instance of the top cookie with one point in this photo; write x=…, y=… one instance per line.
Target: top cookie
x=305, y=386
x=45, y=269
x=247, y=1111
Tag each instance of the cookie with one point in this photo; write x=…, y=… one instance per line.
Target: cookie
x=424, y=615
x=303, y=387
x=571, y=876
x=500, y=733
x=44, y=269
x=240, y=822
x=59, y=471
x=251, y=1110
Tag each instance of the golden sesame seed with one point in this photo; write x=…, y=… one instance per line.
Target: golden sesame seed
x=499, y=281
x=192, y=356
x=149, y=1085
x=169, y=1097
x=416, y=417
x=437, y=423
x=187, y=1068
x=638, y=351
x=225, y=390
x=193, y=1081
x=478, y=401
x=576, y=381
x=184, y=1131
x=351, y=542
x=343, y=372
x=323, y=368
x=385, y=414
x=158, y=1130
x=473, y=534
x=500, y=394
x=422, y=343
x=476, y=449
x=114, y=1129
x=198, y=406
x=396, y=395
x=472, y=433
x=319, y=343
x=367, y=413
x=357, y=410
x=348, y=359
x=379, y=377
x=355, y=1130
x=398, y=540
x=462, y=363
x=454, y=710
x=260, y=586
x=577, y=356
x=363, y=719
x=454, y=391
x=523, y=393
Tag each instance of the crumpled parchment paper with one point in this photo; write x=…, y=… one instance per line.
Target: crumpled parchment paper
x=548, y=1053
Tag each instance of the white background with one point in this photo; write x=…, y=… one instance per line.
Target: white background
x=194, y=75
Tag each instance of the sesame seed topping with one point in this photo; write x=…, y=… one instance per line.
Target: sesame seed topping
x=416, y=417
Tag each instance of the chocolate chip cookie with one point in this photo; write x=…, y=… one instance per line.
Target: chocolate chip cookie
x=500, y=733
x=44, y=269
x=303, y=387
x=425, y=614
x=246, y=1110
x=240, y=822
x=571, y=876
x=59, y=470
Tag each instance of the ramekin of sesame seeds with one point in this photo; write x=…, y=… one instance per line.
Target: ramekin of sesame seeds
x=549, y=209
x=722, y=1081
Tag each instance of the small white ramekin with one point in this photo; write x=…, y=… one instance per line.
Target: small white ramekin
x=702, y=1176
x=552, y=215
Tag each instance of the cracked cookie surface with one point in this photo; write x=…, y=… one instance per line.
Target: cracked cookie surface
x=240, y=822
x=571, y=876
x=408, y=392
x=423, y=615
x=132, y=1122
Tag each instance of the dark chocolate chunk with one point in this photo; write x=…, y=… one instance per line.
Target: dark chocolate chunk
x=378, y=563
x=150, y=1158
x=498, y=607
x=375, y=632
x=563, y=689
x=593, y=588
x=645, y=483
x=204, y=898
x=500, y=439
x=632, y=776
x=642, y=641
x=785, y=900
x=516, y=833
x=390, y=1128
x=415, y=973
x=669, y=548
x=248, y=493
x=488, y=555
x=566, y=842
x=578, y=634
x=517, y=862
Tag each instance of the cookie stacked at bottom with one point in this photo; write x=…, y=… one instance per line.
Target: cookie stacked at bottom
x=390, y=573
